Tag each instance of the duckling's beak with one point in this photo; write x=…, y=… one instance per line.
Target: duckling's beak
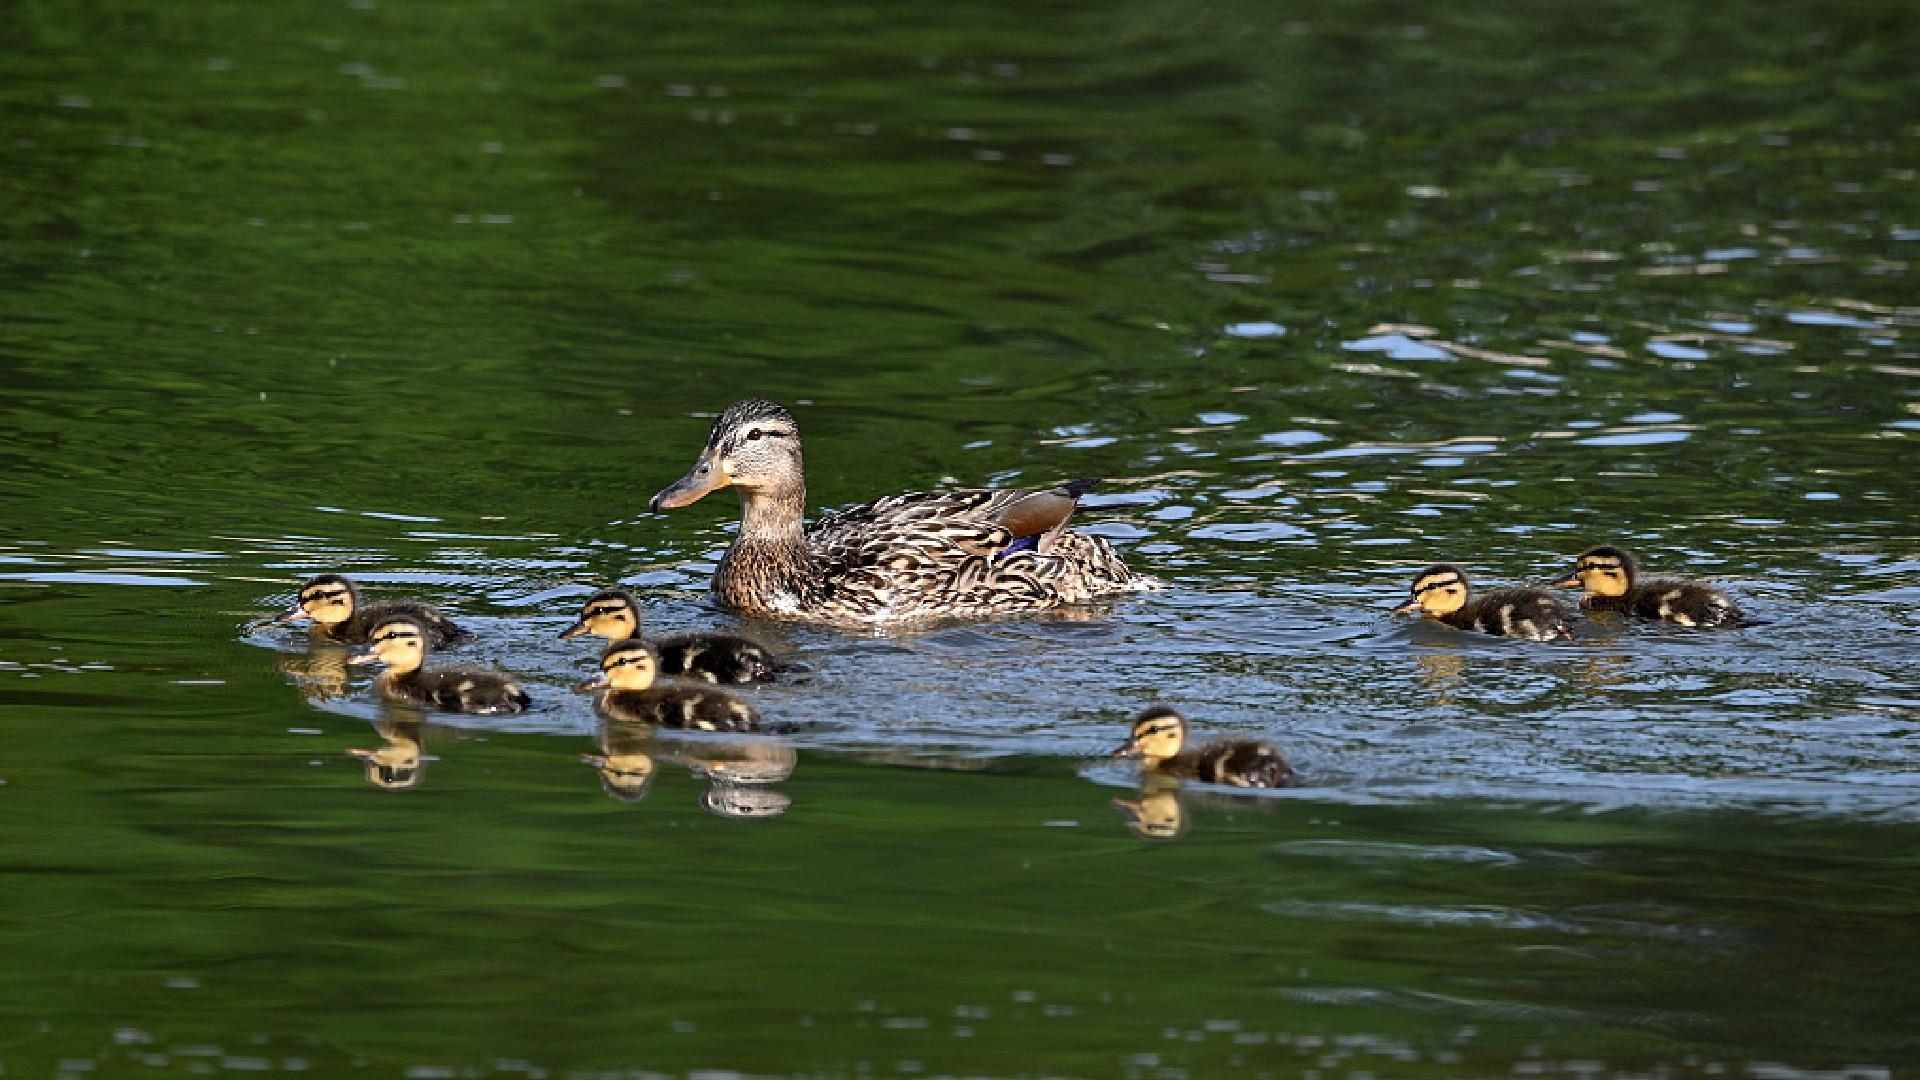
x=364, y=658
x=594, y=760
x=291, y=614
x=706, y=475
x=1126, y=749
x=575, y=630
x=1411, y=605
x=1571, y=581
x=600, y=683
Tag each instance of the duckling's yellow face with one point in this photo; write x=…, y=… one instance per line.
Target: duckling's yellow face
x=629, y=668
x=327, y=600
x=1158, y=734
x=400, y=644
x=394, y=766
x=1601, y=572
x=608, y=615
x=754, y=445
x=1441, y=590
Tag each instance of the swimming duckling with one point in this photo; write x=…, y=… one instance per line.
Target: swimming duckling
x=333, y=603
x=1159, y=733
x=1441, y=592
x=402, y=644
x=628, y=693
x=716, y=658
x=1612, y=582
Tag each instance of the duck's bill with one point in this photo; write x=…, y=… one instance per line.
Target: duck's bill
x=290, y=615
x=575, y=630
x=706, y=475
x=1571, y=581
x=600, y=683
x=594, y=760
x=1125, y=749
x=364, y=658
x=1407, y=608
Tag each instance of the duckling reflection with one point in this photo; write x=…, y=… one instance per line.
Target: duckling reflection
x=744, y=803
x=397, y=765
x=1157, y=814
x=320, y=675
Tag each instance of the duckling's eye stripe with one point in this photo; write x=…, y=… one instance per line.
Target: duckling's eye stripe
x=1440, y=583
x=329, y=594
x=1599, y=566
x=624, y=661
x=596, y=612
x=396, y=635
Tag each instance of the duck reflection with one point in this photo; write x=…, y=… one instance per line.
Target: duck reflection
x=738, y=769
x=398, y=765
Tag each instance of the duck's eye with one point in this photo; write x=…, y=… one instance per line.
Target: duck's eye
x=755, y=434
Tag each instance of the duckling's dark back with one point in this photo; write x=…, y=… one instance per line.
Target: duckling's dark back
x=688, y=707
x=716, y=658
x=1677, y=600
x=441, y=630
x=460, y=690
x=1523, y=613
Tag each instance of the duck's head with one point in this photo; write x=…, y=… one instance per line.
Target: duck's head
x=1157, y=735
x=1440, y=589
x=399, y=642
x=1155, y=815
x=610, y=613
x=326, y=599
x=627, y=665
x=1602, y=571
x=754, y=446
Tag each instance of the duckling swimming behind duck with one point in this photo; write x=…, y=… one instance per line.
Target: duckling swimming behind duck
x=1160, y=732
x=333, y=603
x=402, y=644
x=628, y=670
x=716, y=658
x=1442, y=593
x=1612, y=582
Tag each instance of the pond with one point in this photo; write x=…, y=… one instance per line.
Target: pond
x=438, y=296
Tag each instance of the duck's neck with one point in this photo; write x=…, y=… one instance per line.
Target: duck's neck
x=769, y=567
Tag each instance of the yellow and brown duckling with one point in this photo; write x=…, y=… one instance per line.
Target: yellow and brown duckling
x=1612, y=582
x=402, y=644
x=614, y=614
x=1441, y=592
x=968, y=553
x=628, y=693
x=334, y=605
x=1159, y=741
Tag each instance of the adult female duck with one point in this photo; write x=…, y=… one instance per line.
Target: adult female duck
x=925, y=555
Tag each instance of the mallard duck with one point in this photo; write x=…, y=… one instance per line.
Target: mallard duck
x=1442, y=593
x=716, y=658
x=927, y=555
x=1612, y=582
x=333, y=603
x=1158, y=737
x=628, y=693
x=402, y=644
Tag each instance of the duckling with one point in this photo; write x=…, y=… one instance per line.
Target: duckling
x=1612, y=582
x=970, y=553
x=1441, y=591
x=716, y=658
x=1160, y=732
x=402, y=642
x=628, y=693
x=333, y=603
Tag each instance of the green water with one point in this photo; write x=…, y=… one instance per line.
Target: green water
x=439, y=294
